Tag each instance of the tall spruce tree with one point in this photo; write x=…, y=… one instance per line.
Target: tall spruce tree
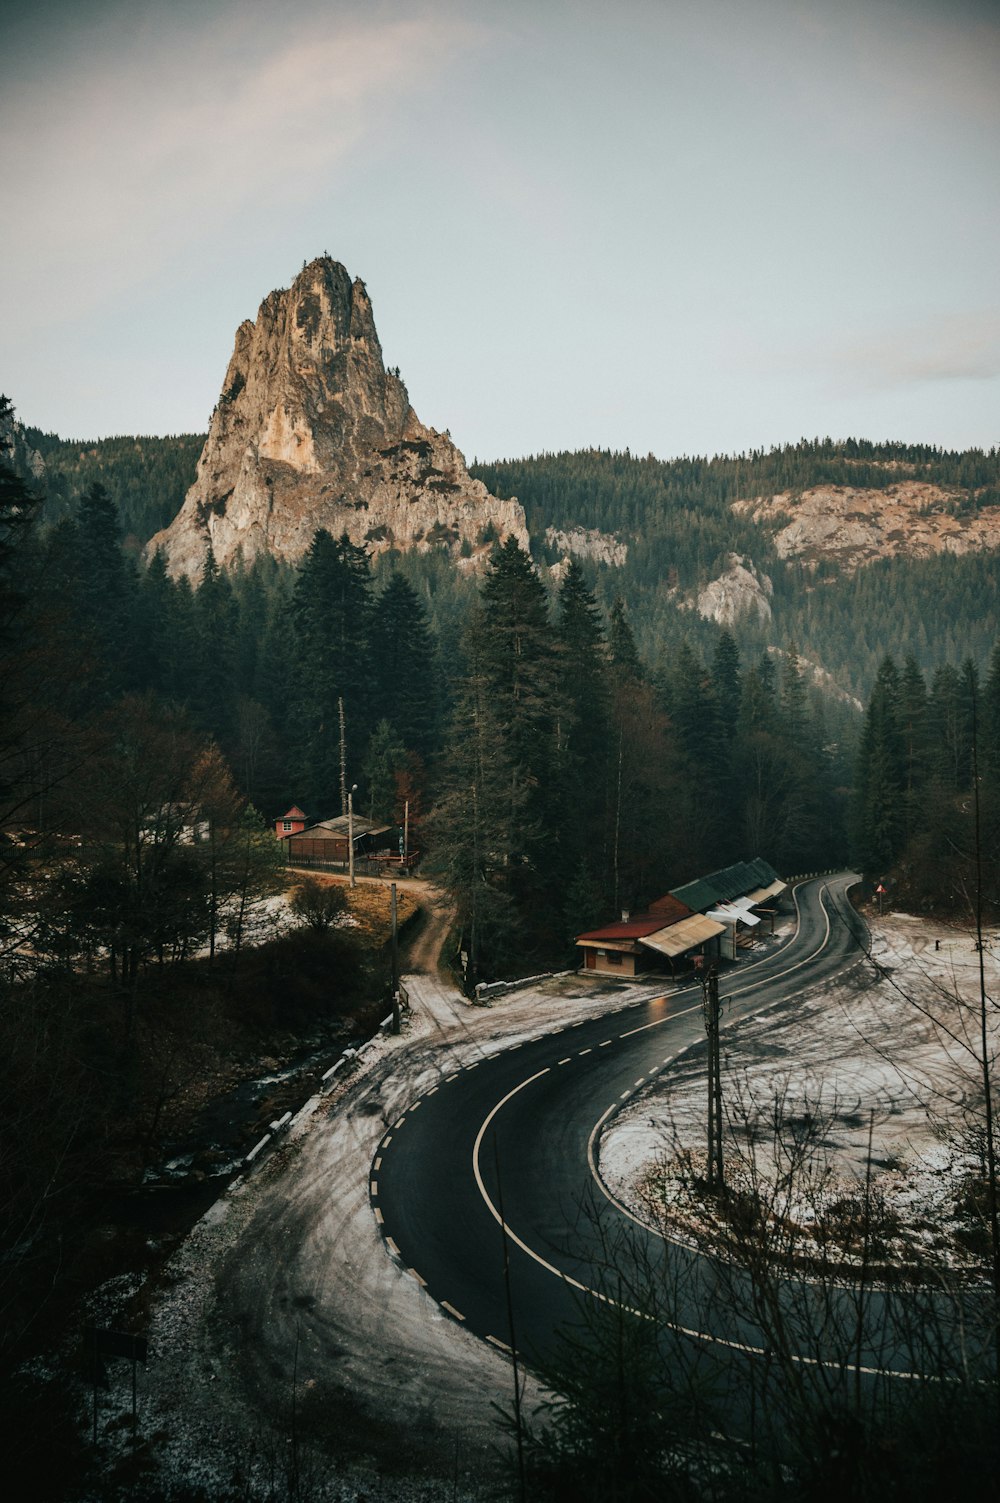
x=105, y=592
x=477, y=830
x=330, y=615
x=404, y=666
x=583, y=730
x=878, y=816
x=727, y=682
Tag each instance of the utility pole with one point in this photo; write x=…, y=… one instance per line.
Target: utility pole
x=406, y=832
x=343, y=757
x=350, y=828
x=710, y=1012
x=395, y=959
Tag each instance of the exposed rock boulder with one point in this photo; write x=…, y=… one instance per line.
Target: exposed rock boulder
x=589, y=542
x=311, y=431
x=739, y=592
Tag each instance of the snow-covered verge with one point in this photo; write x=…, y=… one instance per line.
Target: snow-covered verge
x=285, y=1288
x=864, y=1096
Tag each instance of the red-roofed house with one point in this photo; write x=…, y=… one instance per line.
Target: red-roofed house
x=668, y=931
x=290, y=823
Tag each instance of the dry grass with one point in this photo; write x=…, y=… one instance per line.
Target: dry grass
x=368, y=903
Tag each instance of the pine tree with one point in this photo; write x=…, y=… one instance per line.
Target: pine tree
x=512, y=640
x=105, y=591
x=621, y=642
x=477, y=830
x=404, y=666
x=212, y=691
x=916, y=747
x=879, y=819
x=330, y=616
x=727, y=681
x=385, y=758
x=583, y=727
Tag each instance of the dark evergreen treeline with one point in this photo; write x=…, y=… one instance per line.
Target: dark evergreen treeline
x=261, y=658
x=146, y=477
x=925, y=816
x=677, y=520
x=575, y=782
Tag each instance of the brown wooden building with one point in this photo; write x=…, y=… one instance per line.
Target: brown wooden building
x=669, y=931
x=327, y=841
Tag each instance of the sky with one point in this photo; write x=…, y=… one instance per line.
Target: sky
x=673, y=226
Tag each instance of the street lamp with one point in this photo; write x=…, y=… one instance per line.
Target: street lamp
x=350, y=829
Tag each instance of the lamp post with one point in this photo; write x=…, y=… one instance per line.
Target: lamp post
x=350, y=829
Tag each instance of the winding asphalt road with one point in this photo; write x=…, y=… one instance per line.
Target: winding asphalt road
x=502, y=1155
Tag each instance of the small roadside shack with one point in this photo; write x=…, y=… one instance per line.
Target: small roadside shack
x=642, y=943
x=705, y=918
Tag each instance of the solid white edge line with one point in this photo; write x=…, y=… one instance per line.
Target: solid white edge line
x=705, y=1336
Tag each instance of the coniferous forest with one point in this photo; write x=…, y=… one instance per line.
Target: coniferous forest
x=568, y=742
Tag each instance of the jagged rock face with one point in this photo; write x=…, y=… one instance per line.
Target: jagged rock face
x=18, y=453
x=739, y=592
x=589, y=542
x=311, y=431
x=853, y=527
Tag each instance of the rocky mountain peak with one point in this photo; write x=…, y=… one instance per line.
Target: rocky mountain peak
x=310, y=430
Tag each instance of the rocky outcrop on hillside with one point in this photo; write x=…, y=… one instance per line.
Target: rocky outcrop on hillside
x=589, y=542
x=18, y=453
x=740, y=591
x=312, y=431
x=853, y=527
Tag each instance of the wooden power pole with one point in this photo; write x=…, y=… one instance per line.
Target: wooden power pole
x=711, y=1011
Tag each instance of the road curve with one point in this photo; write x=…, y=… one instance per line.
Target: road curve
x=510, y=1138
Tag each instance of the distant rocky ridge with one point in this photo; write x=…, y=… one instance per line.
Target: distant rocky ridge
x=311, y=432
x=853, y=527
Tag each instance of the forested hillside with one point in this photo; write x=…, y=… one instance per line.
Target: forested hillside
x=677, y=520
x=147, y=478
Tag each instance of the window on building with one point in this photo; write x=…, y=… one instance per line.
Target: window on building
x=286, y=825
x=613, y=957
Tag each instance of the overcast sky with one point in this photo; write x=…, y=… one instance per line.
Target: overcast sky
x=681, y=226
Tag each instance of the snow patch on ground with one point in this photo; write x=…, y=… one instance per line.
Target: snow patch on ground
x=892, y=1052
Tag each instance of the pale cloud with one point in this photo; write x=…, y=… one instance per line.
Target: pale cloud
x=958, y=347
x=135, y=159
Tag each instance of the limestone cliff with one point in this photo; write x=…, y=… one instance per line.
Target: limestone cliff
x=740, y=591
x=311, y=431
x=853, y=527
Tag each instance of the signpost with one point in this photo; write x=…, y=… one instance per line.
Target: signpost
x=101, y=1344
